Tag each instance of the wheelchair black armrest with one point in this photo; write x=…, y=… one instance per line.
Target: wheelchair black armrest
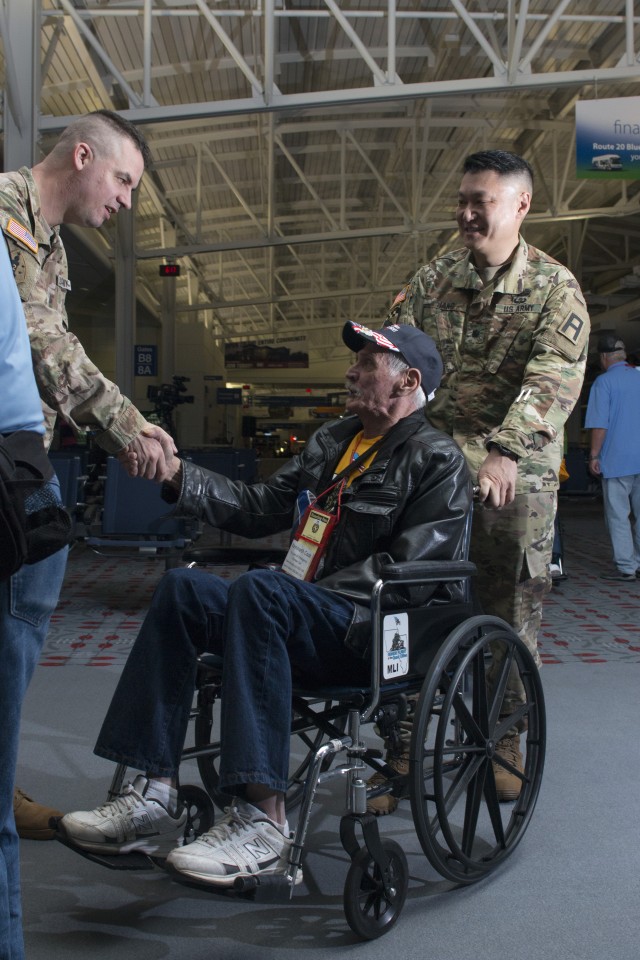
x=239, y=555
x=428, y=570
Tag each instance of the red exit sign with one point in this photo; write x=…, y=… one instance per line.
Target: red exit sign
x=169, y=269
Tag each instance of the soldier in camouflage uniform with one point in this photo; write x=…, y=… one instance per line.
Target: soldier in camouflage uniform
x=512, y=327
x=33, y=204
x=88, y=176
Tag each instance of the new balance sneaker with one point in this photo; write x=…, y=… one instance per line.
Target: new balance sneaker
x=508, y=784
x=139, y=819
x=244, y=843
x=618, y=575
x=386, y=803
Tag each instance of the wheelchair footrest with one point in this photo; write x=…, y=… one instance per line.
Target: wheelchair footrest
x=259, y=889
x=122, y=861
x=267, y=889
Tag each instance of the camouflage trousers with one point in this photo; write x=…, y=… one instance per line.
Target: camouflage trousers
x=511, y=548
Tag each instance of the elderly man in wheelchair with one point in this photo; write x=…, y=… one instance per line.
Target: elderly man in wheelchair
x=378, y=497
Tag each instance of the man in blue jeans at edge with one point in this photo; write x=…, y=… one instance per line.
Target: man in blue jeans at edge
x=27, y=599
x=87, y=177
x=612, y=417
x=402, y=493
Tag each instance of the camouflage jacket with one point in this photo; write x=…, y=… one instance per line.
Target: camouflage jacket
x=68, y=382
x=514, y=355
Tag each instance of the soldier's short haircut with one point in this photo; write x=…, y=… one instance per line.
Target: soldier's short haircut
x=97, y=129
x=502, y=162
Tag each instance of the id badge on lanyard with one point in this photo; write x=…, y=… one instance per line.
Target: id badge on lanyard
x=312, y=536
x=309, y=544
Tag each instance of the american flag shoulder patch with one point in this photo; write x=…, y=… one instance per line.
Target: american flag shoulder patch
x=400, y=298
x=20, y=233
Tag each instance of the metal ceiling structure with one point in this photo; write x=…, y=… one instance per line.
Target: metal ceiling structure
x=307, y=152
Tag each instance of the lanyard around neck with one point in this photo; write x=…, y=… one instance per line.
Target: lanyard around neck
x=354, y=463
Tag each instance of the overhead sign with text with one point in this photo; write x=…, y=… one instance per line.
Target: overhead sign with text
x=229, y=396
x=608, y=139
x=281, y=352
x=145, y=360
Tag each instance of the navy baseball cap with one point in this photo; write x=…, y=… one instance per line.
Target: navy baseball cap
x=609, y=343
x=415, y=346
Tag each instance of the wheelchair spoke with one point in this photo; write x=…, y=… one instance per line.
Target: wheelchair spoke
x=499, y=689
x=479, y=696
x=493, y=807
x=513, y=719
x=472, y=809
x=467, y=720
x=466, y=774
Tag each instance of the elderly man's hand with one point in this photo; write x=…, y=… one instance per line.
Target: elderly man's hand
x=497, y=479
x=149, y=455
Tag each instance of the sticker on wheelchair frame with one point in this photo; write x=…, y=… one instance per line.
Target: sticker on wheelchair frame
x=395, y=645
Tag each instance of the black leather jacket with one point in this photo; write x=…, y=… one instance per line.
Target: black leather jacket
x=410, y=504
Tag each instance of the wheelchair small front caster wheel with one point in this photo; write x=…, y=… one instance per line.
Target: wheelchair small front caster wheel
x=200, y=811
x=372, y=905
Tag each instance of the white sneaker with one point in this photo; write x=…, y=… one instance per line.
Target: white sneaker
x=136, y=820
x=244, y=843
x=556, y=571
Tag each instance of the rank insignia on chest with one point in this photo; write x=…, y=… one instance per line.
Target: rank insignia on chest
x=20, y=233
x=63, y=283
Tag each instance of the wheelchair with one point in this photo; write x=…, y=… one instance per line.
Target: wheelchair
x=444, y=667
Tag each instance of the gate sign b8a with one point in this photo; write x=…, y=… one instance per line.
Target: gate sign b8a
x=145, y=363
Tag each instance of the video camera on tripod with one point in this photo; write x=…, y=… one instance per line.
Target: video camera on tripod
x=166, y=397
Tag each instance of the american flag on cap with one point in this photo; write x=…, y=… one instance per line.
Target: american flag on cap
x=379, y=338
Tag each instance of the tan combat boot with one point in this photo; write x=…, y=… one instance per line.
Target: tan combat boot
x=387, y=802
x=32, y=819
x=508, y=784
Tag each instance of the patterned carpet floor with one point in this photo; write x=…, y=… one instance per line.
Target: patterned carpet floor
x=104, y=600
x=586, y=617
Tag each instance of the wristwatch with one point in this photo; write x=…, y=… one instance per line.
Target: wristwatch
x=503, y=451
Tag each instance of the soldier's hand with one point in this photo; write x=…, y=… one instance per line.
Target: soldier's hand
x=164, y=439
x=145, y=457
x=497, y=479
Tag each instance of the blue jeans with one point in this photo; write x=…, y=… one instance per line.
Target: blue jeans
x=27, y=601
x=267, y=626
x=621, y=498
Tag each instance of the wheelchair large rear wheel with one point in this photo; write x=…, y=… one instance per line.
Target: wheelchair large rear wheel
x=463, y=828
x=312, y=723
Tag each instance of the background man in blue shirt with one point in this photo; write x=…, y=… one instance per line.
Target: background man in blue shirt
x=612, y=416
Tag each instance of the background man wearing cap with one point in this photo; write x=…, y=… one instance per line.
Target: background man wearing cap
x=269, y=622
x=612, y=416
x=512, y=327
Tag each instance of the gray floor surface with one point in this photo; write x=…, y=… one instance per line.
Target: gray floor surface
x=570, y=890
